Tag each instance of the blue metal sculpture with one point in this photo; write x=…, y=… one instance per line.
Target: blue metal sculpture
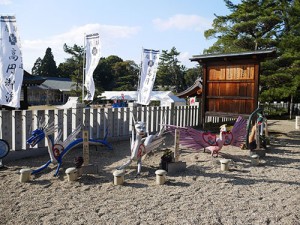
x=57, y=149
x=4, y=150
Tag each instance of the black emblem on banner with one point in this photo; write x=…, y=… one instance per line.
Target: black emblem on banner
x=12, y=39
x=150, y=63
x=94, y=51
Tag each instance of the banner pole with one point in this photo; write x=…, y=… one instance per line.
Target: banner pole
x=83, y=69
x=139, y=80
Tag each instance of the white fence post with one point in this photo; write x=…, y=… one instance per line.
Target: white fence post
x=297, y=123
x=35, y=122
x=67, y=123
x=16, y=129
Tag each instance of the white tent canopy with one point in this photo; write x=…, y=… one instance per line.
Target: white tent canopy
x=166, y=98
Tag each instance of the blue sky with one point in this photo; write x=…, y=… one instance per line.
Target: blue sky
x=125, y=27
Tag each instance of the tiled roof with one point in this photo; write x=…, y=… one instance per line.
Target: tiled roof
x=57, y=83
x=30, y=80
x=192, y=89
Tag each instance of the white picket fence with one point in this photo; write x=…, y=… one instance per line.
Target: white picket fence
x=17, y=125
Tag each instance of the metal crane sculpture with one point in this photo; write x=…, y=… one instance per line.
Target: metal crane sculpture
x=57, y=149
x=141, y=145
x=197, y=139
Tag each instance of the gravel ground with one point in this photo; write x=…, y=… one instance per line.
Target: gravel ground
x=201, y=194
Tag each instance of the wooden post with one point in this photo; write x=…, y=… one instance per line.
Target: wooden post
x=86, y=151
x=257, y=138
x=176, y=149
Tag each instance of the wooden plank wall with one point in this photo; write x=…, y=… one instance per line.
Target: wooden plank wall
x=231, y=88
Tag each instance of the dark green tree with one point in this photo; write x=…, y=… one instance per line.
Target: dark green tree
x=170, y=74
x=48, y=66
x=126, y=74
x=252, y=25
x=73, y=66
x=280, y=80
x=36, y=69
x=192, y=74
x=105, y=77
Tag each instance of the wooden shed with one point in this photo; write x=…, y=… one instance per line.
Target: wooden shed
x=230, y=82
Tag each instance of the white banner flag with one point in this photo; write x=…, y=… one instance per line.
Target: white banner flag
x=11, y=64
x=93, y=48
x=150, y=59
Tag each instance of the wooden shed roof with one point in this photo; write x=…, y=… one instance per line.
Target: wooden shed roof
x=259, y=55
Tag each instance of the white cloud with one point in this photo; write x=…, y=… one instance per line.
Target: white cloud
x=183, y=22
x=5, y=2
x=32, y=49
x=184, y=58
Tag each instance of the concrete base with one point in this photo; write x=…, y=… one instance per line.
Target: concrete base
x=255, y=160
x=225, y=164
x=90, y=169
x=160, y=176
x=25, y=175
x=71, y=174
x=118, y=177
x=175, y=167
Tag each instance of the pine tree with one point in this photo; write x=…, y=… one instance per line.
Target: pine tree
x=48, y=66
x=73, y=67
x=170, y=74
x=36, y=69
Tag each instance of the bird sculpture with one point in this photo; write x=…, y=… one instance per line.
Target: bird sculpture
x=142, y=144
x=197, y=139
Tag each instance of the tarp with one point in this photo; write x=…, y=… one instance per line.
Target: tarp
x=165, y=97
x=71, y=103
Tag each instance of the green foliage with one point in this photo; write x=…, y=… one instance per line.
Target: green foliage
x=192, y=74
x=112, y=73
x=48, y=65
x=281, y=81
x=126, y=74
x=104, y=75
x=170, y=74
x=73, y=67
x=36, y=69
x=45, y=67
x=252, y=25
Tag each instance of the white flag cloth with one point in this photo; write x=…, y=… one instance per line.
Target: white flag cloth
x=11, y=64
x=93, y=48
x=150, y=59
